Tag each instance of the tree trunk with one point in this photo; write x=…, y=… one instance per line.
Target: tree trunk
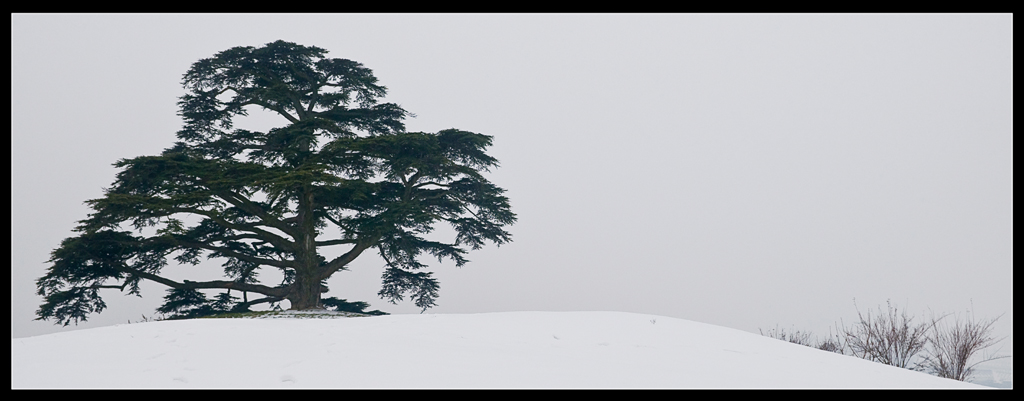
x=306, y=289
x=305, y=294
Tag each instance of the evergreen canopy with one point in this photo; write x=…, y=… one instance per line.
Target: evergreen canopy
x=344, y=165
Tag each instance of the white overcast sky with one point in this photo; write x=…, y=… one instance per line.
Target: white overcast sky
x=746, y=171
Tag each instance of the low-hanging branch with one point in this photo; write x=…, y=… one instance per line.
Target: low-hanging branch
x=186, y=284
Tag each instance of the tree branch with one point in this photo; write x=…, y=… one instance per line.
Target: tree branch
x=277, y=109
x=238, y=237
x=340, y=262
x=234, y=254
x=328, y=217
x=268, y=236
x=242, y=203
x=335, y=242
x=234, y=285
x=262, y=300
x=425, y=183
x=118, y=287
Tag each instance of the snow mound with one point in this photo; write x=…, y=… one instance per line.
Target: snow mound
x=489, y=350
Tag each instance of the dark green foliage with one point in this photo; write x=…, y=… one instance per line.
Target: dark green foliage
x=341, y=305
x=189, y=304
x=342, y=172
x=397, y=282
x=185, y=303
x=71, y=305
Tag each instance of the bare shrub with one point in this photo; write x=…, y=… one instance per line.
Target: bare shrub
x=151, y=318
x=833, y=343
x=890, y=338
x=830, y=345
x=894, y=339
x=954, y=344
x=795, y=337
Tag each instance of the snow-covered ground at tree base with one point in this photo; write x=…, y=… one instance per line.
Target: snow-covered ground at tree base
x=487, y=350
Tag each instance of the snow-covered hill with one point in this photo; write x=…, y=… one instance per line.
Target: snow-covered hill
x=490, y=350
